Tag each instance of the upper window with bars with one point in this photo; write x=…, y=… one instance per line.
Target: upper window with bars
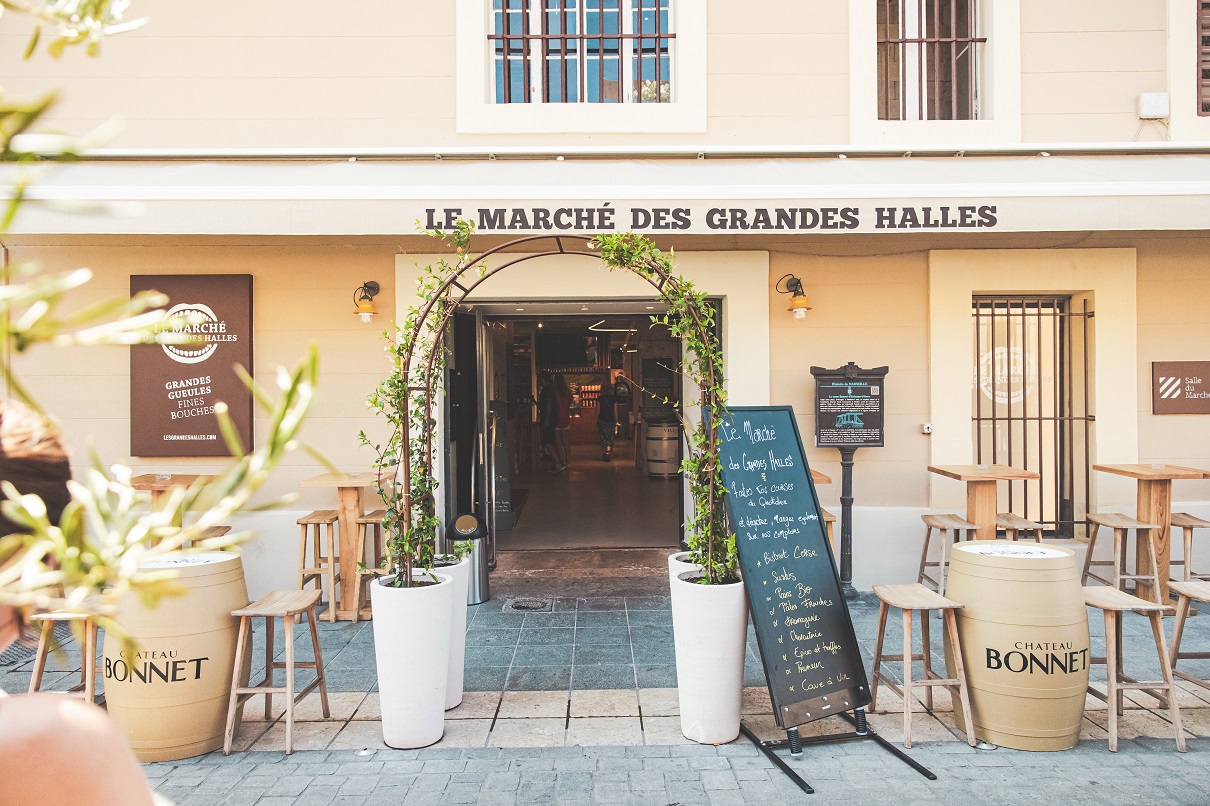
x=928, y=59
x=1203, y=57
x=581, y=51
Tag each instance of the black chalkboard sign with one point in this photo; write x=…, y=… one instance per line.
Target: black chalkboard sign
x=803, y=627
x=659, y=390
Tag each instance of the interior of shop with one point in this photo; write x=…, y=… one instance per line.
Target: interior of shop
x=612, y=360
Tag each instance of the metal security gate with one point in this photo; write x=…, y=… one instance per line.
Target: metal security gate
x=1031, y=405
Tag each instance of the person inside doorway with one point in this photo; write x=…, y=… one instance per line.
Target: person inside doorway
x=607, y=423
x=562, y=418
x=546, y=418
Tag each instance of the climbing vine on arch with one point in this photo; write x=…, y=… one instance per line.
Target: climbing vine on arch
x=407, y=397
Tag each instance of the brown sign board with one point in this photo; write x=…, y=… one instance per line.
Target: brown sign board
x=1180, y=387
x=174, y=387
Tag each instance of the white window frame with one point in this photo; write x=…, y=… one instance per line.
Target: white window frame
x=477, y=113
x=998, y=91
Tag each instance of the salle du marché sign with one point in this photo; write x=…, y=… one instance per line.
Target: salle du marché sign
x=1180, y=387
x=608, y=218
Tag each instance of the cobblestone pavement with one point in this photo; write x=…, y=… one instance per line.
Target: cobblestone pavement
x=1145, y=771
x=611, y=734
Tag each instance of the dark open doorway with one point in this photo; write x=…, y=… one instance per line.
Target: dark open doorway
x=497, y=465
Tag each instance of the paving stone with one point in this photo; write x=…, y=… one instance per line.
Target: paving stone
x=659, y=702
x=604, y=703
x=317, y=796
x=492, y=797
x=502, y=780
x=611, y=792
x=402, y=767
x=575, y=764
x=430, y=783
x=532, y=704
x=619, y=764
x=719, y=779
x=647, y=780
x=444, y=766
x=610, y=730
x=527, y=732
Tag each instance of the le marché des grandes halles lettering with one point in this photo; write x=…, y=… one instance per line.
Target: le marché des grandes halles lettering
x=607, y=218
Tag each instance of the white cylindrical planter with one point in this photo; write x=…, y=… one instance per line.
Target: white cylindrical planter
x=679, y=563
x=461, y=574
x=710, y=625
x=412, y=649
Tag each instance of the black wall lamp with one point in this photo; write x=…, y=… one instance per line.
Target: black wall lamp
x=799, y=304
x=364, y=297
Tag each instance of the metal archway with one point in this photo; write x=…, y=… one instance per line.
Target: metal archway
x=453, y=291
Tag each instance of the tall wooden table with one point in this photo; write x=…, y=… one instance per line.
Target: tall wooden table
x=981, y=491
x=1154, y=505
x=350, y=489
x=820, y=478
x=160, y=483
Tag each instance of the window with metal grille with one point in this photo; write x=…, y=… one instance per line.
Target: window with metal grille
x=928, y=60
x=1203, y=57
x=1031, y=404
x=581, y=51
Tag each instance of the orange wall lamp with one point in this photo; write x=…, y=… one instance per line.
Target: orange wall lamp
x=364, y=297
x=799, y=304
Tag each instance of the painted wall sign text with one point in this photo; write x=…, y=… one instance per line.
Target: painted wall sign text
x=607, y=218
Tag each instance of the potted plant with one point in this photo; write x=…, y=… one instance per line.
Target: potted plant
x=419, y=592
x=457, y=566
x=709, y=606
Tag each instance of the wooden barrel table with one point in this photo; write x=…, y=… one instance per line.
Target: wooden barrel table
x=661, y=448
x=1024, y=635
x=169, y=693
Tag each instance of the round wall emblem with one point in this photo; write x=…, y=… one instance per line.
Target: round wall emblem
x=1004, y=376
x=193, y=352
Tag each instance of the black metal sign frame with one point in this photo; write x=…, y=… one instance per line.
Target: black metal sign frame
x=849, y=407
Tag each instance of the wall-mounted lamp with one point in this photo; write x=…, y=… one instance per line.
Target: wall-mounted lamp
x=364, y=297
x=799, y=304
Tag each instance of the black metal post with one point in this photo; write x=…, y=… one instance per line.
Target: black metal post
x=846, y=521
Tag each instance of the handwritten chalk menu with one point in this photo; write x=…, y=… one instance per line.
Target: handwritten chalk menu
x=849, y=403
x=660, y=393
x=806, y=636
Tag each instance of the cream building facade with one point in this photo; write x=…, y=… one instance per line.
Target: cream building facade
x=1048, y=160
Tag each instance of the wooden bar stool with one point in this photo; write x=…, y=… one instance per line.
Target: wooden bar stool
x=1188, y=523
x=909, y=598
x=1113, y=603
x=1189, y=592
x=284, y=605
x=1013, y=525
x=319, y=527
x=1121, y=525
x=829, y=522
x=370, y=553
x=87, y=687
x=210, y=534
x=951, y=528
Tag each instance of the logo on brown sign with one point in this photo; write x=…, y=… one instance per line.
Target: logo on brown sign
x=1180, y=387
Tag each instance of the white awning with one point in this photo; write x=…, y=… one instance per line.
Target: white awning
x=659, y=196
